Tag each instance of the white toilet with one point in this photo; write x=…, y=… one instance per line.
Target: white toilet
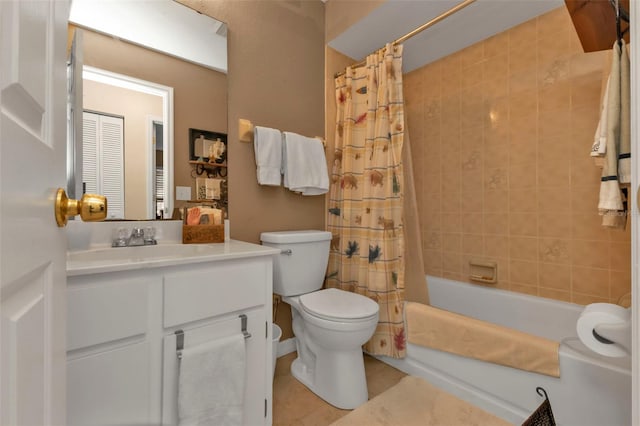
x=330, y=325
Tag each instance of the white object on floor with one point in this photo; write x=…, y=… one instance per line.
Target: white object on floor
x=211, y=383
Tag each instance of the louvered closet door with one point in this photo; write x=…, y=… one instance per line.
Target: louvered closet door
x=103, y=159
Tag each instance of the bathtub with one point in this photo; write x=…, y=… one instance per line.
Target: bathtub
x=592, y=389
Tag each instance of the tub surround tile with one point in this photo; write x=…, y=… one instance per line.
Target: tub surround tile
x=505, y=172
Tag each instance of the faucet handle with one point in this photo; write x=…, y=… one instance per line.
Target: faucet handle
x=150, y=235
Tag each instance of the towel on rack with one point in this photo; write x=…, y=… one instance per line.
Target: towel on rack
x=610, y=198
x=599, y=147
x=267, y=144
x=304, y=165
x=211, y=383
x=624, y=154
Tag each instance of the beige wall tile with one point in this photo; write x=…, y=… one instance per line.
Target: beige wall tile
x=496, y=223
x=555, y=250
x=451, y=262
x=471, y=223
x=496, y=156
x=451, y=222
x=496, y=246
x=588, y=226
x=471, y=202
x=472, y=244
x=450, y=202
x=553, y=276
x=620, y=285
x=554, y=199
x=523, y=224
x=496, y=179
x=554, y=225
x=523, y=248
x=590, y=253
x=523, y=201
x=472, y=181
x=495, y=45
x=523, y=272
x=452, y=242
x=522, y=176
x=586, y=299
x=620, y=256
x=496, y=201
x=563, y=296
x=591, y=281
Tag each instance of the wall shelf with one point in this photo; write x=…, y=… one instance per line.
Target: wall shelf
x=207, y=164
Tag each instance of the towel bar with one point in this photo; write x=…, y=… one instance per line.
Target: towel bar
x=180, y=335
x=243, y=325
x=245, y=132
x=179, y=343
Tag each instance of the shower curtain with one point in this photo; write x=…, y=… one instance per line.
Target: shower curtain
x=365, y=214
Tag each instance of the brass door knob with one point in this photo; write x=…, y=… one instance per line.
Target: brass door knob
x=90, y=207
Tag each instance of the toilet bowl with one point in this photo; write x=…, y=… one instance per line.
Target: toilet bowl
x=330, y=325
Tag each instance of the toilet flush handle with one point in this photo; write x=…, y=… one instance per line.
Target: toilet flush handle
x=288, y=252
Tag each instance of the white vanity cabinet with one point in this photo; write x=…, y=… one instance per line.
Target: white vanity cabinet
x=122, y=366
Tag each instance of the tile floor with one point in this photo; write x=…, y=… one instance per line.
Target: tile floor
x=294, y=404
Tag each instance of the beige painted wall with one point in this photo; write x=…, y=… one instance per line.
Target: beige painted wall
x=276, y=79
x=200, y=94
x=135, y=107
x=501, y=134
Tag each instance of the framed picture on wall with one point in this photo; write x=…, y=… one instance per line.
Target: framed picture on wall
x=204, y=144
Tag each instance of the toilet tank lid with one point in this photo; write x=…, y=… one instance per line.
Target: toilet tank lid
x=281, y=237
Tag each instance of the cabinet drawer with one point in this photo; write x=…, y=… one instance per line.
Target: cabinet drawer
x=105, y=310
x=214, y=290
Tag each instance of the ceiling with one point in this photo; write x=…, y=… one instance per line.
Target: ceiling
x=395, y=18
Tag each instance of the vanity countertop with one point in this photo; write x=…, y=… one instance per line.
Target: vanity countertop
x=108, y=259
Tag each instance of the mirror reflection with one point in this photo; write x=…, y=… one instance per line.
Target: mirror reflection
x=151, y=97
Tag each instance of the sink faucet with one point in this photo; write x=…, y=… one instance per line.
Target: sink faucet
x=138, y=237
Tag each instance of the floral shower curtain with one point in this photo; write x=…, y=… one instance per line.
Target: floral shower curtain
x=366, y=200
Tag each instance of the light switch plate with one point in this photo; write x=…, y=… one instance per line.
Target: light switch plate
x=183, y=193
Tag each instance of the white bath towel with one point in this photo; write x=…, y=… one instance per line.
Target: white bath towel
x=610, y=198
x=599, y=147
x=267, y=144
x=211, y=383
x=304, y=165
x=624, y=154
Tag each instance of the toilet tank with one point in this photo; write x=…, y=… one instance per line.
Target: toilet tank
x=301, y=266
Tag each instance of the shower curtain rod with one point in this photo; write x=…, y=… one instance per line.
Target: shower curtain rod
x=420, y=29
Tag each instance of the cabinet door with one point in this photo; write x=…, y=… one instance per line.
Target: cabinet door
x=110, y=388
x=255, y=386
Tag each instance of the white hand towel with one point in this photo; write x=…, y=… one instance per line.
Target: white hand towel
x=624, y=154
x=610, y=198
x=267, y=144
x=304, y=165
x=211, y=383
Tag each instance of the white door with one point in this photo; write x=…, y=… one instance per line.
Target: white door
x=32, y=247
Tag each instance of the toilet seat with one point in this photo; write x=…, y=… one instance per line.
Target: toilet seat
x=338, y=305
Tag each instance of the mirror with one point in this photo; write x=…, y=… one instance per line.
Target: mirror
x=161, y=65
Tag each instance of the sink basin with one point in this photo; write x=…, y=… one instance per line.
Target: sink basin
x=109, y=259
x=142, y=253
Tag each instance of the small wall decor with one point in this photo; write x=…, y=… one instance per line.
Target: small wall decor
x=207, y=146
